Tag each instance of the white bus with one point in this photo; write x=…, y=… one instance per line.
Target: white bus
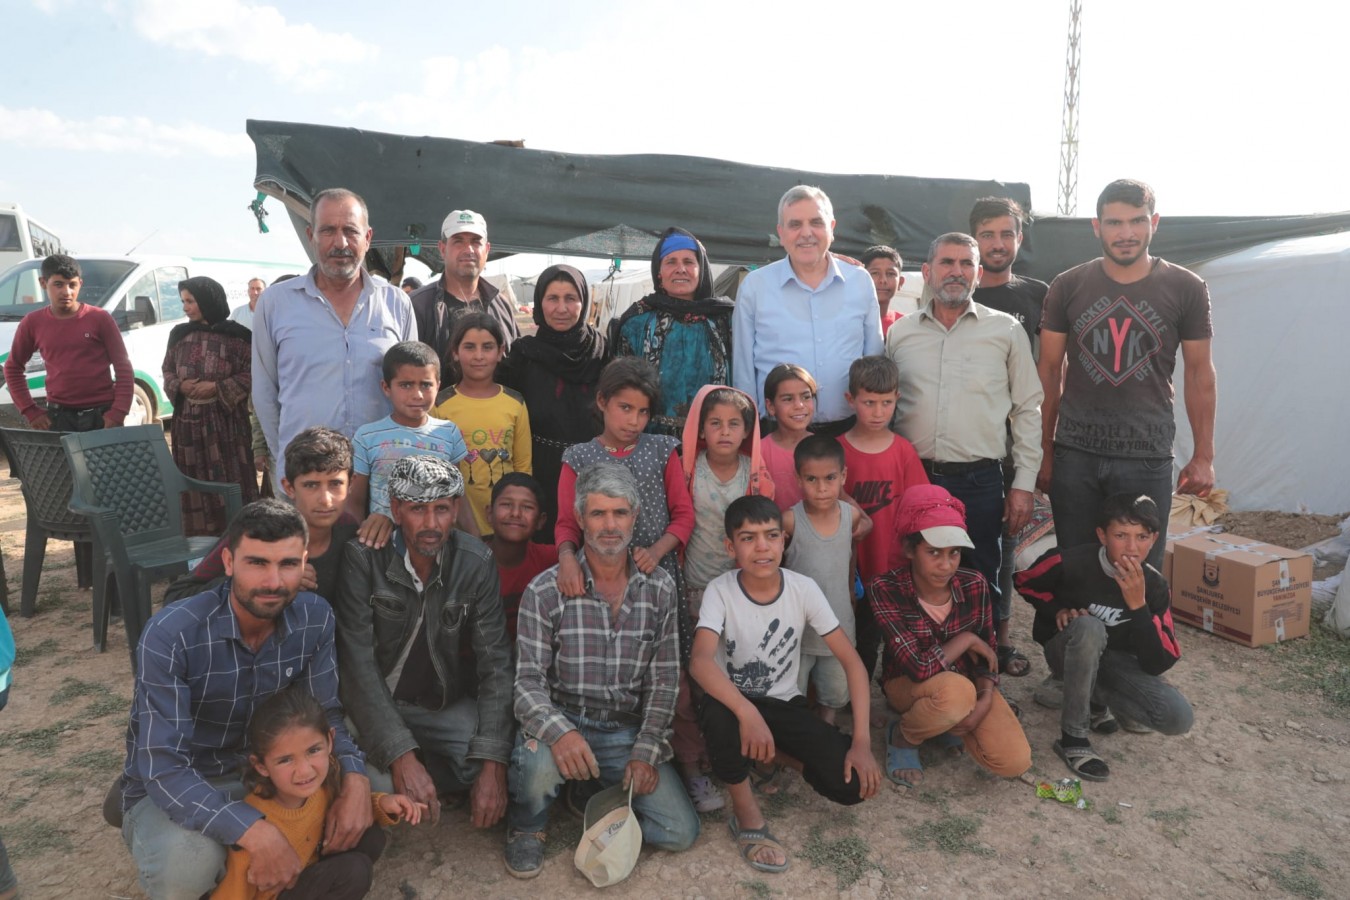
x=141, y=293
x=22, y=238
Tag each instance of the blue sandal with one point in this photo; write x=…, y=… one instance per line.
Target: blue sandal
x=898, y=759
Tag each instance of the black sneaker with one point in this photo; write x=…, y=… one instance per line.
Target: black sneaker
x=524, y=855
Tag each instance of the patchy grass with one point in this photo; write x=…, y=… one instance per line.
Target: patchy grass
x=99, y=762
x=1173, y=822
x=23, y=655
x=781, y=802
x=73, y=688
x=1112, y=815
x=37, y=740
x=1294, y=876
x=1317, y=664
x=760, y=890
x=53, y=775
x=563, y=835
x=951, y=835
x=34, y=837
x=847, y=857
x=107, y=705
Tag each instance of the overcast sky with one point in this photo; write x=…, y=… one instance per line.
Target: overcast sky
x=124, y=119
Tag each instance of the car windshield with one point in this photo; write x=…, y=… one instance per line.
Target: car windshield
x=20, y=292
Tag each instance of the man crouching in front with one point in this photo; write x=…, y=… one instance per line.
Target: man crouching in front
x=596, y=680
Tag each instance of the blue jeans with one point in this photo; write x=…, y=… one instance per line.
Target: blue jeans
x=1093, y=672
x=1080, y=481
x=443, y=743
x=667, y=817
x=172, y=862
x=981, y=491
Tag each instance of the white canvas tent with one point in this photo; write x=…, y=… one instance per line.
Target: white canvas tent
x=1281, y=326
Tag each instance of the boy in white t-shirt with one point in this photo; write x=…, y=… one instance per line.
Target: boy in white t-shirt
x=747, y=652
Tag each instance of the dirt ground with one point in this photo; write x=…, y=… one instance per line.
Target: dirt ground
x=1253, y=801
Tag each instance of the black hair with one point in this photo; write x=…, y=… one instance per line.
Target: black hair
x=519, y=479
x=408, y=353
x=269, y=520
x=292, y=707
x=1126, y=190
x=752, y=508
x=987, y=208
x=874, y=374
x=463, y=324
x=1137, y=509
x=317, y=449
x=817, y=447
x=881, y=251
x=411, y=281
x=728, y=397
x=60, y=264
x=787, y=372
x=630, y=372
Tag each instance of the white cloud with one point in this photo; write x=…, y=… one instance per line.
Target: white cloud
x=296, y=52
x=45, y=129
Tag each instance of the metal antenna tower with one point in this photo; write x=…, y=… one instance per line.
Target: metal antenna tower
x=1068, y=144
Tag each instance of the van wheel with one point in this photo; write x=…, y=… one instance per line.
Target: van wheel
x=143, y=409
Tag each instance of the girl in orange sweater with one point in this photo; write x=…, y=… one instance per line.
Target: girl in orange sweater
x=292, y=779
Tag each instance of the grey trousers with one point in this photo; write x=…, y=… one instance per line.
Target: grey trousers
x=1094, y=673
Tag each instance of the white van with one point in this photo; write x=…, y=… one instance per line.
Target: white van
x=141, y=293
x=22, y=238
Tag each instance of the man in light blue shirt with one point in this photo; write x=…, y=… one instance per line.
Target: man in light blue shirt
x=319, y=340
x=809, y=309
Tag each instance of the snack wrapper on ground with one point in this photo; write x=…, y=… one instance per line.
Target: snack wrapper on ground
x=1066, y=790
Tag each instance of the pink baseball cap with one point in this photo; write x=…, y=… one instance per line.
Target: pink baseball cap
x=934, y=513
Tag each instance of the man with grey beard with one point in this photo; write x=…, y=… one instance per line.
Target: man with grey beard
x=318, y=340
x=432, y=719
x=966, y=371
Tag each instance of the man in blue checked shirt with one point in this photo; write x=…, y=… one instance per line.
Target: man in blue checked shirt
x=204, y=664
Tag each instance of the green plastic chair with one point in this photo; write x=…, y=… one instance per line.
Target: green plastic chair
x=38, y=460
x=126, y=483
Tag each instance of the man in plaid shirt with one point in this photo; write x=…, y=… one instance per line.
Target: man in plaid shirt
x=203, y=665
x=596, y=679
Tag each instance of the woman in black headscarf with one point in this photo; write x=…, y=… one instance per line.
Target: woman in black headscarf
x=555, y=371
x=682, y=328
x=207, y=377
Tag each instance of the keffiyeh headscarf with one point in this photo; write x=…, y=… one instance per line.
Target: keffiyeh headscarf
x=422, y=479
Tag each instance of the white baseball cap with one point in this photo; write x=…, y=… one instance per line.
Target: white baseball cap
x=609, y=848
x=464, y=220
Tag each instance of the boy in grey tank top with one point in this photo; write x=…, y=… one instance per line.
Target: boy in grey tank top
x=820, y=526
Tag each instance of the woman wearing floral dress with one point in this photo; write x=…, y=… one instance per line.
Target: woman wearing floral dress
x=207, y=377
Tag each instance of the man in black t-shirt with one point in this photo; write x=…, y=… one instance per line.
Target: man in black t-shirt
x=996, y=223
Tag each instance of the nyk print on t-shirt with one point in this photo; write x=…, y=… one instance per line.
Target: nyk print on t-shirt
x=1117, y=339
x=1123, y=341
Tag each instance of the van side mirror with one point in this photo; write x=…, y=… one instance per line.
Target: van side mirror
x=142, y=314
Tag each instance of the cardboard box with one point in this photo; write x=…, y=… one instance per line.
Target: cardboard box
x=1243, y=590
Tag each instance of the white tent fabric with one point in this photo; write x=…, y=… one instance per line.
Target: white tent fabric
x=1281, y=316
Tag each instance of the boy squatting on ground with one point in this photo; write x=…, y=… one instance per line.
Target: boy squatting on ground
x=940, y=666
x=1104, y=617
x=746, y=658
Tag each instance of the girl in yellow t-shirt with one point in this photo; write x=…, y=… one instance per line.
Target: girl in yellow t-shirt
x=492, y=418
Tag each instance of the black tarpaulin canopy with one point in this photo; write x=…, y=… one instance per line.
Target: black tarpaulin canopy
x=538, y=201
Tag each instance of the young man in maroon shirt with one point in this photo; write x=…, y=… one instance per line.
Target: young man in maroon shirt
x=78, y=343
